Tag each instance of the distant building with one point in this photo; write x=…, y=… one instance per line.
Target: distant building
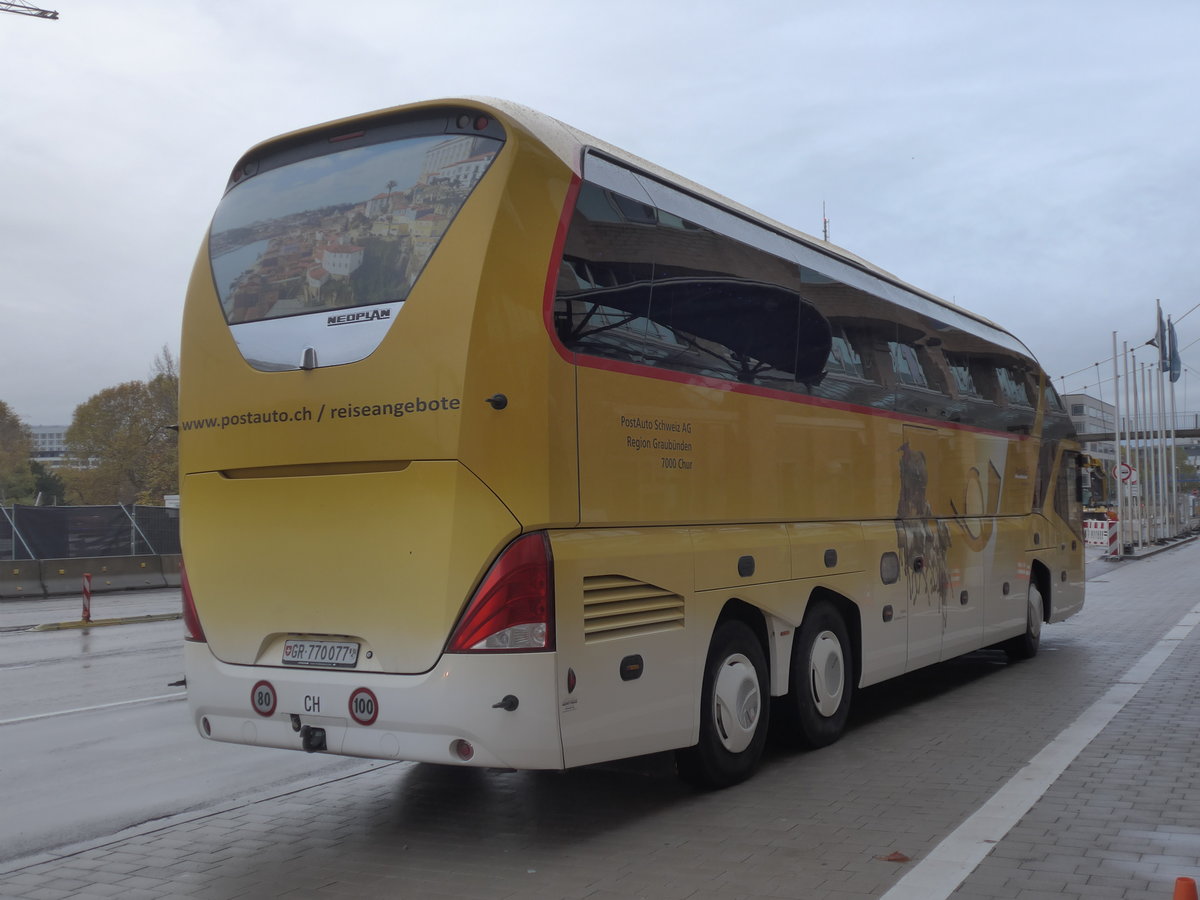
x=1092, y=416
x=49, y=444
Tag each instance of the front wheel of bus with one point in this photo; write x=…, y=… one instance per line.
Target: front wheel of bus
x=822, y=678
x=1025, y=646
x=733, y=710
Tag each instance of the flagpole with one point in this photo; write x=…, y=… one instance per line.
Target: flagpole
x=1161, y=454
x=1157, y=394
x=1129, y=485
x=1155, y=459
x=1130, y=493
x=1119, y=549
x=1137, y=455
x=1175, y=367
x=1178, y=524
x=1148, y=453
x=1152, y=450
x=1163, y=476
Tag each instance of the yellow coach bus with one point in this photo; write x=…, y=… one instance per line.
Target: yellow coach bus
x=502, y=447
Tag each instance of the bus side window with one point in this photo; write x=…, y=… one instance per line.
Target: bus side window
x=601, y=309
x=1053, y=401
x=843, y=358
x=1068, y=493
x=961, y=377
x=603, y=289
x=1018, y=403
x=1013, y=386
x=726, y=328
x=906, y=366
x=1042, y=484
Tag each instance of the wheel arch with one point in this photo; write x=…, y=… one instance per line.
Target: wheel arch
x=752, y=616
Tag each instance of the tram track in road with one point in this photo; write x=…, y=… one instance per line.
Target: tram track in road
x=52, y=674
x=99, y=655
x=87, y=709
x=30, y=646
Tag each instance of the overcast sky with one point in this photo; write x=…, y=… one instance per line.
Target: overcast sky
x=1035, y=162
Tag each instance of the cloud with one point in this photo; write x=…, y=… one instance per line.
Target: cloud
x=1034, y=162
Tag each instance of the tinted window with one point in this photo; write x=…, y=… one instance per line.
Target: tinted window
x=844, y=359
x=906, y=365
x=652, y=288
x=960, y=374
x=1013, y=386
x=1068, y=493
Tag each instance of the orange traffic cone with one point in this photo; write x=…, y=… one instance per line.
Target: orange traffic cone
x=1185, y=889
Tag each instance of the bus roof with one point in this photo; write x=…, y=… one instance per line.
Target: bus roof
x=570, y=144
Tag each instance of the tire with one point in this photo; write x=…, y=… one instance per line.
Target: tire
x=821, y=685
x=1026, y=645
x=734, y=710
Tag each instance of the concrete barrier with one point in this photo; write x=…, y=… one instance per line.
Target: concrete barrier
x=170, y=568
x=21, y=578
x=109, y=573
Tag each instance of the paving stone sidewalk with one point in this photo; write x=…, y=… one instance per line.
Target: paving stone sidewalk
x=1123, y=821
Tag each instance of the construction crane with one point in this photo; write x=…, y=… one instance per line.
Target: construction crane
x=21, y=8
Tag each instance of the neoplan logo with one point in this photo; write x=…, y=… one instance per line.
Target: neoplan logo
x=354, y=318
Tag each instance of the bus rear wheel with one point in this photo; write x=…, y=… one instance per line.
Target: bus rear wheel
x=822, y=678
x=734, y=710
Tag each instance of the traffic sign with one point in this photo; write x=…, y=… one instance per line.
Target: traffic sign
x=1125, y=473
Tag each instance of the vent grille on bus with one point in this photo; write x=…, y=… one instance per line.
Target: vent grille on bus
x=615, y=606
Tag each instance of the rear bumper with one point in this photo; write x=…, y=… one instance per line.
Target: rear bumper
x=419, y=716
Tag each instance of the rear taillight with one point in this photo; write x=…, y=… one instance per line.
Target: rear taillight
x=513, y=609
x=191, y=621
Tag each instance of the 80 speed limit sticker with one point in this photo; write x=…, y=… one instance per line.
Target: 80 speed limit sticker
x=263, y=698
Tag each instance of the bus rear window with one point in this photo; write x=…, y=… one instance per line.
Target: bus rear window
x=342, y=229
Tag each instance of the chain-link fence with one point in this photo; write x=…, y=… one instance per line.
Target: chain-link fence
x=76, y=532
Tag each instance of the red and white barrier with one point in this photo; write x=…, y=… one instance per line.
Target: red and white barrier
x=87, y=596
x=1099, y=532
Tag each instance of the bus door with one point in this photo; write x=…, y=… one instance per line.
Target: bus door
x=975, y=499
x=924, y=542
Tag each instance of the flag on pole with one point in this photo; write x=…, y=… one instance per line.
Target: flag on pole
x=1160, y=340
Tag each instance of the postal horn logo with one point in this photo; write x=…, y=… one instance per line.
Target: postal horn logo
x=373, y=315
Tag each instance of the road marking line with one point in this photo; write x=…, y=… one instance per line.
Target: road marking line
x=81, y=709
x=947, y=866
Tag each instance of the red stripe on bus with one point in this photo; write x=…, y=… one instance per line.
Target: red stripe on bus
x=560, y=241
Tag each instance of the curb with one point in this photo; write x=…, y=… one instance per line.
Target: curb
x=1153, y=551
x=97, y=623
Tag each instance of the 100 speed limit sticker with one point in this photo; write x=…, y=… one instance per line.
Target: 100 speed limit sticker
x=364, y=708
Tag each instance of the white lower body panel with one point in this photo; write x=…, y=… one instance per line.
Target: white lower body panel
x=420, y=717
